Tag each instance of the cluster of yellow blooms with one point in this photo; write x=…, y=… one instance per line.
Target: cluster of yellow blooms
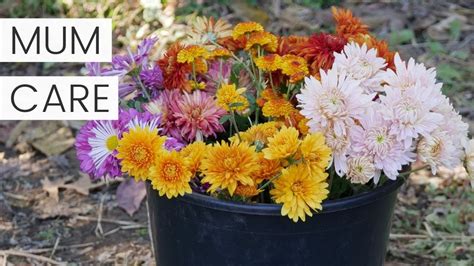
x=266, y=154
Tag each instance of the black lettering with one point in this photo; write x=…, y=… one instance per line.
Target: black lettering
x=48, y=101
x=13, y=98
x=95, y=35
x=97, y=98
x=47, y=42
x=79, y=99
x=16, y=35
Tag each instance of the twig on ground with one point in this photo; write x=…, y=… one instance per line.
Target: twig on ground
x=99, y=232
x=20, y=253
x=55, y=247
x=119, y=222
x=43, y=250
x=444, y=237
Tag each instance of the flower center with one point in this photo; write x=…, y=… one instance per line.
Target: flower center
x=111, y=143
x=231, y=165
x=297, y=188
x=141, y=154
x=171, y=172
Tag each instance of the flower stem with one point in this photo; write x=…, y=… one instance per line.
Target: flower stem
x=140, y=83
x=270, y=181
x=234, y=122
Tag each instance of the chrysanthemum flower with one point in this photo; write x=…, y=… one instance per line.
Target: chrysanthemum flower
x=227, y=165
x=194, y=153
x=266, y=168
x=409, y=111
x=316, y=154
x=319, y=51
x=283, y=144
x=138, y=149
x=469, y=159
x=258, y=133
x=230, y=98
x=360, y=169
x=204, y=30
x=220, y=52
x=340, y=148
x=334, y=102
x=191, y=53
x=346, y=24
x=170, y=174
x=269, y=63
x=265, y=40
x=437, y=150
x=175, y=74
x=278, y=107
x=197, y=85
x=152, y=77
x=299, y=192
x=373, y=138
x=246, y=191
x=381, y=46
x=197, y=116
x=294, y=66
x=290, y=44
x=96, y=145
x=246, y=27
x=362, y=65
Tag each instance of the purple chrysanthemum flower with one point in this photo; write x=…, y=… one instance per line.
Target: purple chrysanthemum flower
x=152, y=77
x=96, y=146
x=173, y=144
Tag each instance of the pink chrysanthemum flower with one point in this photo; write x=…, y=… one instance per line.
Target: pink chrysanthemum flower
x=409, y=111
x=360, y=169
x=340, y=147
x=362, y=65
x=334, y=102
x=438, y=149
x=373, y=138
x=197, y=116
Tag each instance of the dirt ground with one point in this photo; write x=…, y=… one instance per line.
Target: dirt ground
x=50, y=212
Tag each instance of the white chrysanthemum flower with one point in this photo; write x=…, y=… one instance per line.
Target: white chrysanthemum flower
x=334, y=102
x=373, y=138
x=452, y=123
x=361, y=64
x=104, y=143
x=340, y=147
x=438, y=150
x=409, y=111
x=360, y=169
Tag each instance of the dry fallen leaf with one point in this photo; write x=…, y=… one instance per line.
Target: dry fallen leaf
x=52, y=187
x=130, y=194
x=82, y=186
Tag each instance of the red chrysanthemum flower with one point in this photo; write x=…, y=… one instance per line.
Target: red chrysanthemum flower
x=232, y=45
x=287, y=44
x=175, y=74
x=319, y=50
x=346, y=24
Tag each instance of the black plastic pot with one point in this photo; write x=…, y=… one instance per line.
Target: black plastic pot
x=201, y=230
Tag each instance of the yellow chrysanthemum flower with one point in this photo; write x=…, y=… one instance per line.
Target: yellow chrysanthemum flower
x=197, y=85
x=316, y=154
x=268, y=63
x=259, y=132
x=278, y=107
x=230, y=98
x=170, y=174
x=283, y=144
x=295, y=67
x=194, y=153
x=266, y=169
x=299, y=192
x=303, y=126
x=138, y=150
x=266, y=40
x=246, y=27
x=220, y=52
x=190, y=53
x=227, y=165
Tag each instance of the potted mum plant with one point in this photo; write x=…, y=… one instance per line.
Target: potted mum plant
x=261, y=149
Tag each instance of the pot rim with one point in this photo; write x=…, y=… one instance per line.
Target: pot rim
x=267, y=209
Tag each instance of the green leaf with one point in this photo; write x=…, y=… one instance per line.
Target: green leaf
x=455, y=29
x=463, y=55
x=224, y=119
x=448, y=73
x=401, y=37
x=233, y=105
x=436, y=48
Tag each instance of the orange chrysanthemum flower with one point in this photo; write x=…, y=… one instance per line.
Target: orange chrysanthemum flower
x=279, y=107
x=269, y=63
x=232, y=45
x=265, y=40
x=346, y=24
x=295, y=67
x=266, y=169
x=287, y=44
x=246, y=191
x=319, y=50
x=246, y=27
x=175, y=74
